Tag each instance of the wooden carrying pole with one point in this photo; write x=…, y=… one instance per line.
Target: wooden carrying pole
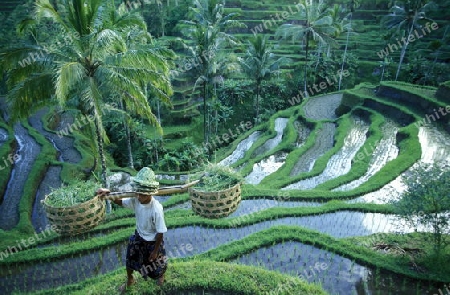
x=165, y=190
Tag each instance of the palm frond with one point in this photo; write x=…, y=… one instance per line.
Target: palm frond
x=67, y=77
x=44, y=9
x=129, y=20
x=30, y=94
x=92, y=98
x=25, y=26
x=107, y=42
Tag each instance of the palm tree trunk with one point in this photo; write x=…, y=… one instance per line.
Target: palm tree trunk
x=101, y=152
x=130, y=154
x=319, y=51
x=216, y=121
x=402, y=54
x=258, y=89
x=160, y=142
x=437, y=234
x=216, y=112
x=205, y=114
x=306, y=62
x=102, y=160
x=128, y=134
x=382, y=72
x=158, y=109
x=345, y=52
x=162, y=21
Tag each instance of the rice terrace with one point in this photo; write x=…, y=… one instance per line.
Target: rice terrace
x=225, y=147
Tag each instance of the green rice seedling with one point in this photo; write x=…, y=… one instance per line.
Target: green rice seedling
x=73, y=194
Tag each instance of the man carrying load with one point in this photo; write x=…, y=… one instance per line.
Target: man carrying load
x=145, y=251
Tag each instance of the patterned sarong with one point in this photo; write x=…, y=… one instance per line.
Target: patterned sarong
x=138, y=253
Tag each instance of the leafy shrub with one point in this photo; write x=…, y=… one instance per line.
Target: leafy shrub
x=426, y=202
x=188, y=157
x=424, y=72
x=326, y=69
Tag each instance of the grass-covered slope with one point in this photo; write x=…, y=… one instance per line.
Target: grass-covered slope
x=198, y=276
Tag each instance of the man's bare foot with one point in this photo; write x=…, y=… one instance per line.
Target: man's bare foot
x=131, y=282
x=125, y=286
x=160, y=281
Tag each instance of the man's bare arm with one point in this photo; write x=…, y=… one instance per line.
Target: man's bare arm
x=102, y=192
x=158, y=241
x=118, y=202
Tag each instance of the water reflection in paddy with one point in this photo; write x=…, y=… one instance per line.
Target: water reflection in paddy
x=336, y=274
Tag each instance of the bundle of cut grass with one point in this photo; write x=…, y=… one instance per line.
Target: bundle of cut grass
x=217, y=177
x=73, y=209
x=70, y=195
x=218, y=193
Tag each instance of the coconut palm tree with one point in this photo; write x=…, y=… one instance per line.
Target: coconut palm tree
x=259, y=63
x=404, y=20
x=316, y=26
x=134, y=39
x=91, y=69
x=207, y=28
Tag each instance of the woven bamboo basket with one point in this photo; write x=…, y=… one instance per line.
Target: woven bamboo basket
x=75, y=219
x=216, y=204
x=82, y=217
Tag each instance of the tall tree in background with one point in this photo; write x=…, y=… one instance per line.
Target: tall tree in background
x=91, y=65
x=138, y=39
x=207, y=28
x=260, y=64
x=404, y=19
x=352, y=5
x=317, y=26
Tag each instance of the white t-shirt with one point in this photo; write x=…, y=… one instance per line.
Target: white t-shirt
x=149, y=217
